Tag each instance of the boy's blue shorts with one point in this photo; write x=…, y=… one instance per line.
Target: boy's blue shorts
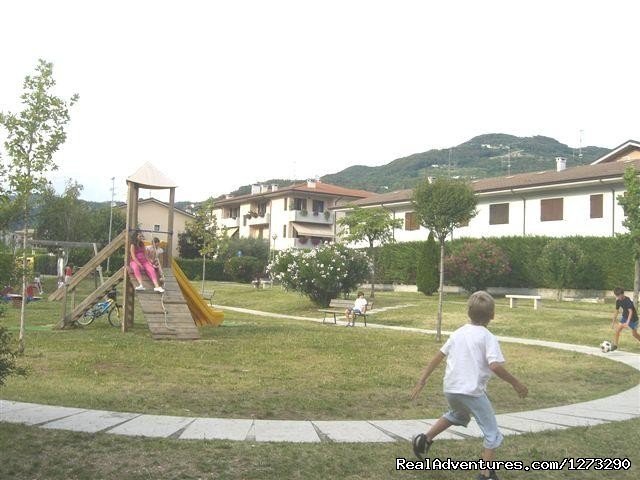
x=464, y=406
x=632, y=325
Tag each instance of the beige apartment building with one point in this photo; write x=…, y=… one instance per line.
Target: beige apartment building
x=153, y=216
x=296, y=216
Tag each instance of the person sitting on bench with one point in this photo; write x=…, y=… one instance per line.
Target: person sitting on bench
x=359, y=307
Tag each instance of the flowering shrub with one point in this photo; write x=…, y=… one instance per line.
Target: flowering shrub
x=479, y=265
x=321, y=273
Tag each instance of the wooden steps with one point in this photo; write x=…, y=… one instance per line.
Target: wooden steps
x=167, y=314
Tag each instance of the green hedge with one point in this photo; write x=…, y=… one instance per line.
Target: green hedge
x=192, y=268
x=396, y=262
x=608, y=261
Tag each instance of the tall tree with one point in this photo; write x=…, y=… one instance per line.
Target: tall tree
x=441, y=206
x=630, y=203
x=370, y=225
x=203, y=230
x=64, y=217
x=32, y=137
x=427, y=275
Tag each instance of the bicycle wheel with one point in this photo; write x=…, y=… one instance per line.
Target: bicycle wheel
x=88, y=317
x=115, y=315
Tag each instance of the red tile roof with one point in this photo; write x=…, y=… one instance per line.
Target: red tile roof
x=584, y=173
x=320, y=188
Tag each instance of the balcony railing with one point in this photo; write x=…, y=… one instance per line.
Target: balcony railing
x=310, y=217
x=229, y=222
x=259, y=220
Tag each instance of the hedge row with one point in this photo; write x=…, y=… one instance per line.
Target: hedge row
x=47, y=265
x=609, y=260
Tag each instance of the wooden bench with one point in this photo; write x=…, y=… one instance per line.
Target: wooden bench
x=537, y=300
x=262, y=283
x=208, y=296
x=337, y=306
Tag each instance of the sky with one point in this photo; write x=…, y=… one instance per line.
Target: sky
x=219, y=94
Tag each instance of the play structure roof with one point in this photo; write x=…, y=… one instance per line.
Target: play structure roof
x=148, y=176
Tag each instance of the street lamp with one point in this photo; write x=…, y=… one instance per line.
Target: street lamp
x=113, y=191
x=273, y=250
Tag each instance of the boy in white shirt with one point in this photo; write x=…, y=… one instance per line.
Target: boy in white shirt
x=473, y=354
x=359, y=307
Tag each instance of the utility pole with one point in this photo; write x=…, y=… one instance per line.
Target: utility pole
x=113, y=191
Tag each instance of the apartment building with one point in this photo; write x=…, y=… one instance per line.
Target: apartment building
x=563, y=202
x=296, y=216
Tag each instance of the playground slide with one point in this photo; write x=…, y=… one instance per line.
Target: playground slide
x=202, y=313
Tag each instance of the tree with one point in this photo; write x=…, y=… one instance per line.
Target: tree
x=32, y=137
x=203, y=230
x=427, y=275
x=441, y=206
x=630, y=203
x=64, y=217
x=370, y=225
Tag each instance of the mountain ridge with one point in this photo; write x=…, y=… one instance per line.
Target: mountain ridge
x=487, y=155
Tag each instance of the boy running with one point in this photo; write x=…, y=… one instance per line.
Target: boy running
x=628, y=319
x=473, y=354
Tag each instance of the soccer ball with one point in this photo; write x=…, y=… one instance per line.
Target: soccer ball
x=605, y=346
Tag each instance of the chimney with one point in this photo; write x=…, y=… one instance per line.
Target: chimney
x=311, y=184
x=264, y=188
x=561, y=164
x=274, y=187
x=255, y=189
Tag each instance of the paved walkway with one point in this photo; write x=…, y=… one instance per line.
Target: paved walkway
x=622, y=406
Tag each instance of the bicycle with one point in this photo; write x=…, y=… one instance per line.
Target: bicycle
x=108, y=306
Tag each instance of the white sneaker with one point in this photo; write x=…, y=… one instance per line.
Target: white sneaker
x=140, y=288
x=159, y=289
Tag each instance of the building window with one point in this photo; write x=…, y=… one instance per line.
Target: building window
x=499, y=214
x=596, y=206
x=299, y=204
x=411, y=221
x=318, y=206
x=284, y=231
x=156, y=228
x=231, y=212
x=551, y=209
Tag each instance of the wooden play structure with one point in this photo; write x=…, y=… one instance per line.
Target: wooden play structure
x=173, y=314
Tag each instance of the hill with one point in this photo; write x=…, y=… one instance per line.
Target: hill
x=489, y=155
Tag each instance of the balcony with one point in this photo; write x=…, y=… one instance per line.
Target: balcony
x=284, y=243
x=259, y=220
x=229, y=222
x=324, y=218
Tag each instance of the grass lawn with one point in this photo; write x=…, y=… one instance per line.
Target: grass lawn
x=39, y=454
x=281, y=369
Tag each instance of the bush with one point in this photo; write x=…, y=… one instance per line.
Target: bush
x=8, y=364
x=480, y=265
x=7, y=269
x=192, y=268
x=321, y=273
x=396, y=262
x=243, y=269
x=561, y=263
x=428, y=268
